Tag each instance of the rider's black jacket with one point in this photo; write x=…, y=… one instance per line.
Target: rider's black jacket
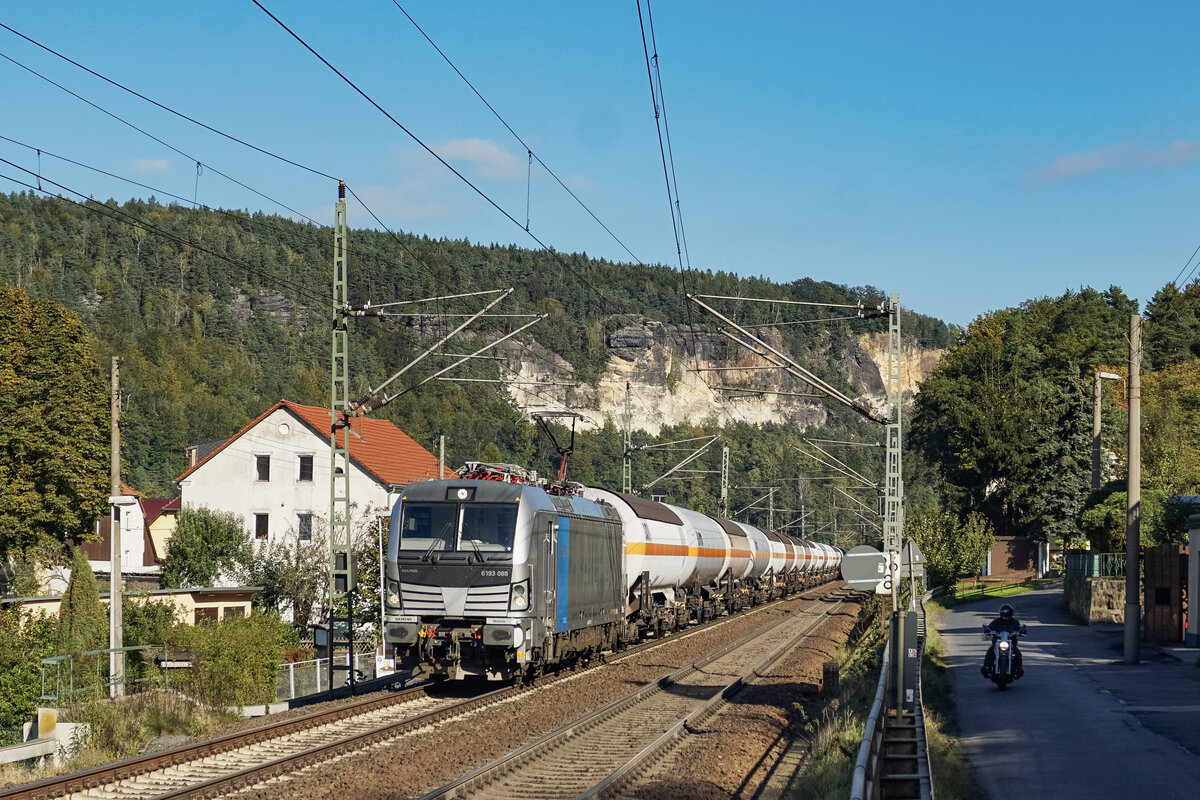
x=1001, y=624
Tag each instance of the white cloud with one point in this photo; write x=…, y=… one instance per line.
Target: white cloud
x=1124, y=156
x=488, y=159
x=150, y=166
x=581, y=183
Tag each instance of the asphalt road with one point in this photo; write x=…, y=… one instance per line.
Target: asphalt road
x=1080, y=724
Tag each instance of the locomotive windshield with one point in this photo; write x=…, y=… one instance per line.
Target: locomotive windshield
x=457, y=527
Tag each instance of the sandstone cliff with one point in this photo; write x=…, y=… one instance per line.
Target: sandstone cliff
x=672, y=373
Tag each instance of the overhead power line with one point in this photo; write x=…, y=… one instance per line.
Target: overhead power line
x=115, y=213
x=430, y=151
x=532, y=155
x=167, y=108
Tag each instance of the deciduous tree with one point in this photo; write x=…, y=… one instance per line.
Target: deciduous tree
x=54, y=440
x=207, y=546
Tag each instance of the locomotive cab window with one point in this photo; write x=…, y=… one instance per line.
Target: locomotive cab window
x=470, y=528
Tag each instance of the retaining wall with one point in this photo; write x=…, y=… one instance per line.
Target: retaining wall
x=1093, y=600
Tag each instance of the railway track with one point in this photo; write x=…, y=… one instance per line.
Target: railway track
x=240, y=760
x=182, y=771
x=604, y=751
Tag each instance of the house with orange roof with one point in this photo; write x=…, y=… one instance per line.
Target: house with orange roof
x=274, y=473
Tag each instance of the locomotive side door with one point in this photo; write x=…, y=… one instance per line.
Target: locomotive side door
x=545, y=589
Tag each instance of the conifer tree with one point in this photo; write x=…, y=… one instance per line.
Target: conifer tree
x=83, y=621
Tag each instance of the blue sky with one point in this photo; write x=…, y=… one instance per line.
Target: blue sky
x=966, y=155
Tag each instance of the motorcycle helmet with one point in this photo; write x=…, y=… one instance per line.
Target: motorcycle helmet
x=1006, y=612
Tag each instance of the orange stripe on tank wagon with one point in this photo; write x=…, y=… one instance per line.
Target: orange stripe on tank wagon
x=656, y=549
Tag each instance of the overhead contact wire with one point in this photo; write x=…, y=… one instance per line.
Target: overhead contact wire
x=528, y=149
x=553, y=253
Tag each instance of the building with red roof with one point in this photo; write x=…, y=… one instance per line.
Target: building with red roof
x=274, y=472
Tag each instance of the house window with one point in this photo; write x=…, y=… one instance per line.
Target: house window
x=304, y=528
x=264, y=467
x=306, y=468
x=206, y=613
x=261, y=525
x=232, y=611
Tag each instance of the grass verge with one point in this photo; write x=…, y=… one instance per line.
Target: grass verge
x=124, y=728
x=985, y=592
x=832, y=724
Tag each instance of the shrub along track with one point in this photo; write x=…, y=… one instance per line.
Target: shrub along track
x=226, y=763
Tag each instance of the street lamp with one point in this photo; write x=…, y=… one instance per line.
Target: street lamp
x=1100, y=376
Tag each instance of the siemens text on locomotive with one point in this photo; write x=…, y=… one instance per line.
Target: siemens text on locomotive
x=498, y=575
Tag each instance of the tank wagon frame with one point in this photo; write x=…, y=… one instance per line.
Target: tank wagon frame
x=501, y=576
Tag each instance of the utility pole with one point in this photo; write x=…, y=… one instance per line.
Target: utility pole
x=116, y=657
x=341, y=567
x=1133, y=492
x=893, y=503
x=725, y=483
x=441, y=458
x=627, y=459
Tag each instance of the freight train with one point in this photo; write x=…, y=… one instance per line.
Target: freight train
x=499, y=575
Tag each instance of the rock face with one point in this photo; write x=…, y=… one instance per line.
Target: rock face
x=274, y=303
x=679, y=375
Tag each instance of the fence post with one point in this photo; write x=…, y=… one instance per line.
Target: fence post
x=292, y=681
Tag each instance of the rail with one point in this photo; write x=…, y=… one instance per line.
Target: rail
x=893, y=758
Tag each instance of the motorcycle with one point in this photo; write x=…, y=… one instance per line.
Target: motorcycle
x=1003, y=671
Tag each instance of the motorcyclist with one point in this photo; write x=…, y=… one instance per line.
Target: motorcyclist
x=1006, y=622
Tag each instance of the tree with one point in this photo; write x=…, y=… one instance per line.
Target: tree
x=54, y=440
x=1003, y=418
x=83, y=621
x=1171, y=429
x=1173, y=326
x=953, y=547
x=294, y=576
x=207, y=546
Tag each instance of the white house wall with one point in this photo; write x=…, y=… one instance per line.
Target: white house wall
x=133, y=542
x=228, y=481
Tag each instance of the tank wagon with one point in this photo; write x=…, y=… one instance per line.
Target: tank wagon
x=501, y=576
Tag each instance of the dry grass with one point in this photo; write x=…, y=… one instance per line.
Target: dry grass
x=835, y=729
x=124, y=728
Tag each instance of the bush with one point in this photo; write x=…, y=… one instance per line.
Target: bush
x=234, y=661
x=26, y=640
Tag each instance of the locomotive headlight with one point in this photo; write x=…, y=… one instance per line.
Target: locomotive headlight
x=393, y=593
x=518, y=599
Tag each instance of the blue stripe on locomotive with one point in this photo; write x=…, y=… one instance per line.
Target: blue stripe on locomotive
x=582, y=507
x=564, y=564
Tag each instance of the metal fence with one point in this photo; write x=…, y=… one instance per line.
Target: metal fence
x=85, y=675
x=1096, y=565
x=302, y=678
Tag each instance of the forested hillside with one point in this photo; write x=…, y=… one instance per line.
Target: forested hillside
x=1003, y=425
x=219, y=314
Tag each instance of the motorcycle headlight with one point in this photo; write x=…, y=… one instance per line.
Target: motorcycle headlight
x=518, y=598
x=1004, y=645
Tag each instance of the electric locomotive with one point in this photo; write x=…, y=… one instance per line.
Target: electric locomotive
x=496, y=577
